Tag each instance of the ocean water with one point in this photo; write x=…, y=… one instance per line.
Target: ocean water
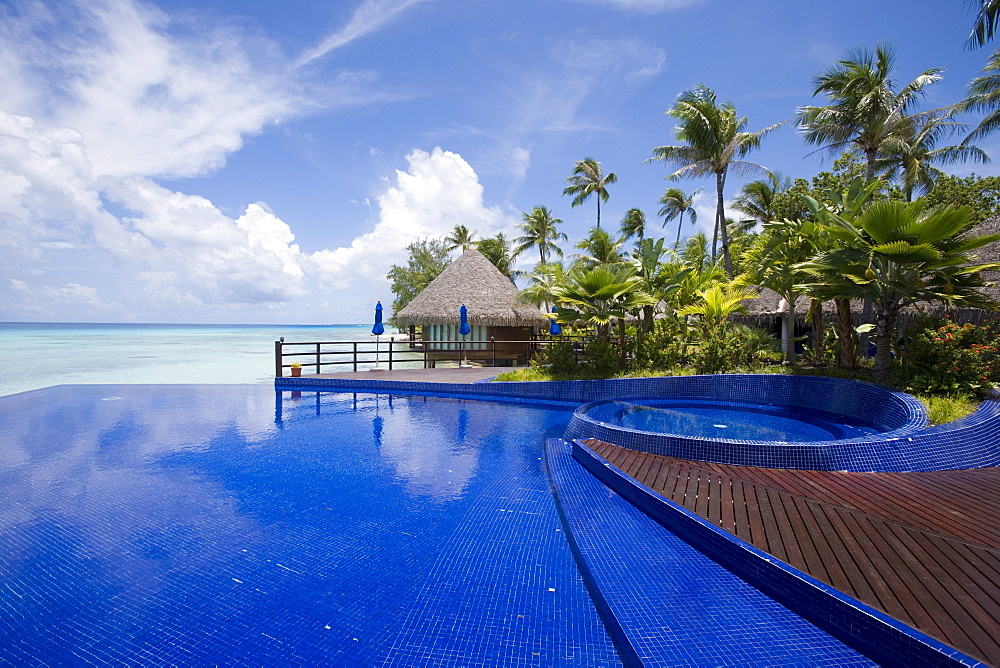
x=35, y=355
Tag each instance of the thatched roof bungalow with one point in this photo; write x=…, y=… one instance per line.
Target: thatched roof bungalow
x=494, y=304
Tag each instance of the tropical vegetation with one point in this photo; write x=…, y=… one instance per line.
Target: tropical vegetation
x=884, y=234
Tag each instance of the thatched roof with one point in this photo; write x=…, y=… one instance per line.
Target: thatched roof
x=489, y=296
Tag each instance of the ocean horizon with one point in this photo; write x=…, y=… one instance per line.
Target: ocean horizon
x=35, y=355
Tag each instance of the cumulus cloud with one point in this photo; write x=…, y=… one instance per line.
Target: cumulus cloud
x=188, y=250
x=91, y=117
x=437, y=191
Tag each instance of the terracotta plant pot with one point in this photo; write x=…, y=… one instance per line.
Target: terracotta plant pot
x=296, y=371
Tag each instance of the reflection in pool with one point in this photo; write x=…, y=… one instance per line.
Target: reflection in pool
x=199, y=525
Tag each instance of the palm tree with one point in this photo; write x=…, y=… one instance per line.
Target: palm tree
x=633, y=225
x=757, y=198
x=717, y=302
x=675, y=204
x=898, y=253
x=497, y=250
x=539, y=230
x=460, y=237
x=910, y=156
x=865, y=110
x=773, y=262
x=588, y=179
x=659, y=279
x=986, y=22
x=716, y=142
x=984, y=97
x=600, y=248
x=598, y=295
x=542, y=281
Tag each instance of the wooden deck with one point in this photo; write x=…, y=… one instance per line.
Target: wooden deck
x=922, y=547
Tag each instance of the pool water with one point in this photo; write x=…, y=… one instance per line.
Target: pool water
x=730, y=420
x=206, y=524
x=239, y=525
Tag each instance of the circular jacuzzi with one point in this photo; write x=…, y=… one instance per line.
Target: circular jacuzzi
x=713, y=418
x=767, y=420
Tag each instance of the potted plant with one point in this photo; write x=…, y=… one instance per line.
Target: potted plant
x=296, y=369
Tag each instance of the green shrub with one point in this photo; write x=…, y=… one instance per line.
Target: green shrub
x=663, y=348
x=943, y=357
x=604, y=359
x=725, y=347
x=942, y=409
x=560, y=357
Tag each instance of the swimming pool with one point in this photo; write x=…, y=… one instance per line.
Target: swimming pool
x=240, y=525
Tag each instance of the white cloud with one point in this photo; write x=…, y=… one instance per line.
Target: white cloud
x=189, y=251
x=150, y=95
x=369, y=16
x=48, y=300
x=645, y=6
x=575, y=70
x=438, y=191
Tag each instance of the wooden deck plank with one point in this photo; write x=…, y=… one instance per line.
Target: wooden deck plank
x=939, y=592
x=979, y=598
x=703, y=494
x=741, y=513
x=825, y=569
x=885, y=598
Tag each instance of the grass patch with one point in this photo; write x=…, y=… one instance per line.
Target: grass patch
x=948, y=408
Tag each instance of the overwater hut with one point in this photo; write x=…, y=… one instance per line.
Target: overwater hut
x=495, y=312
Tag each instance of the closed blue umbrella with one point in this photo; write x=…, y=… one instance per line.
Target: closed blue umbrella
x=554, y=328
x=378, y=330
x=464, y=328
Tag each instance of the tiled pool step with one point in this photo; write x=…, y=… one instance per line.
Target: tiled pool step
x=674, y=605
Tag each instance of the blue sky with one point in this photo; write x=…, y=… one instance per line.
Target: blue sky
x=266, y=162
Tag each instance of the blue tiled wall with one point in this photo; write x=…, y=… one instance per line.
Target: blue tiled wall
x=968, y=443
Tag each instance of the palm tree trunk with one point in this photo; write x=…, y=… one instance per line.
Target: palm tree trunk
x=884, y=327
x=788, y=330
x=598, y=212
x=870, y=155
x=621, y=342
x=845, y=332
x=720, y=224
x=680, y=224
x=816, y=318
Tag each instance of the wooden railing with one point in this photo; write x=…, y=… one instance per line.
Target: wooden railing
x=320, y=356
